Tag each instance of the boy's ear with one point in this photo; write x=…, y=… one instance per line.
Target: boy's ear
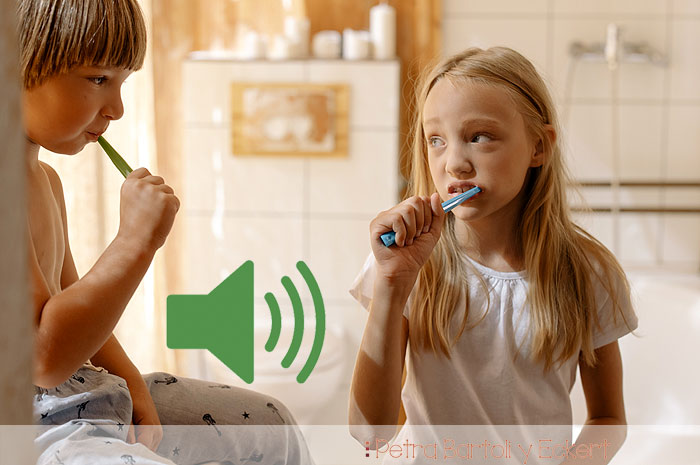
x=539, y=154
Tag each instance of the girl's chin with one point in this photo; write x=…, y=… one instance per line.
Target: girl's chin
x=465, y=214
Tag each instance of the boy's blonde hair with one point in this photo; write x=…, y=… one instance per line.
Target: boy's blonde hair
x=561, y=259
x=57, y=35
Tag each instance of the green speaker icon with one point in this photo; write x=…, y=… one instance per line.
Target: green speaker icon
x=222, y=322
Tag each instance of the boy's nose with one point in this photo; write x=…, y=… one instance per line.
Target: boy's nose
x=114, y=108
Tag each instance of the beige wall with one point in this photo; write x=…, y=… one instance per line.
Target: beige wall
x=15, y=326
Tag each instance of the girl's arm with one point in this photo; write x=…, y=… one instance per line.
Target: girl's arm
x=74, y=324
x=375, y=396
x=606, y=425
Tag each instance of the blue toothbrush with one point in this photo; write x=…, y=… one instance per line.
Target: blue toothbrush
x=389, y=238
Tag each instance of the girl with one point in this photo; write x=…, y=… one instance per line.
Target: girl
x=75, y=55
x=499, y=302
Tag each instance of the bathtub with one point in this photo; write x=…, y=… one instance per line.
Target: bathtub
x=661, y=379
x=661, y=372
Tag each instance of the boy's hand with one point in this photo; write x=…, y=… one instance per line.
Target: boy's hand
x=147, y=210
x=145, y=427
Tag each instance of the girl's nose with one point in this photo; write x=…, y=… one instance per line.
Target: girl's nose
x=459, y=163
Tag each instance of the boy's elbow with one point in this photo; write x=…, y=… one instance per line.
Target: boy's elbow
x=48, y=373
x=44, y=378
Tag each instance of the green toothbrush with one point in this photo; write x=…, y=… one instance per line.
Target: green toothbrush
x=118, y=161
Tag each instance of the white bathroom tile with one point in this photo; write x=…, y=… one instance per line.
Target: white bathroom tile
x=638, y=239
x=589, y=139
x=207, y=85
x=579, y=79
x=640, y=197
x=591, y=197
x=680, y=239
x=365, y=182
x=338, y=249
x=682, y=197
x=591, y=79
x=506, y=7
x=605, y=7
x=216, y=247
x=527, y=36
x=643, y=80
x=600, y=225
x=640, y=141
x=685, y=59
x=214, y=179
x=686, y=7
x=684, y=143
x=374, y=89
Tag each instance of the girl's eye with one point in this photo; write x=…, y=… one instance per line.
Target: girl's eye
x=98, y=80
x=481, y=138
x=435, y=142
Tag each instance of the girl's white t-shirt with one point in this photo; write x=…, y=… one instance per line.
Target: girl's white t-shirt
x=483, y=383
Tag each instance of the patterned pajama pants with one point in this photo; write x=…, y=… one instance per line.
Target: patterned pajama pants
x=85, y=421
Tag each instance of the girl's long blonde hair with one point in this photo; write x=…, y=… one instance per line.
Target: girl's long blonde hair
x=561, y=259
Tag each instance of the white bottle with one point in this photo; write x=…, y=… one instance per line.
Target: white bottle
x=382, y=29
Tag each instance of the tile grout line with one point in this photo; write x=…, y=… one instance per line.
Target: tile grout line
x=665, y=115
x=306, y=206
x=550, y=37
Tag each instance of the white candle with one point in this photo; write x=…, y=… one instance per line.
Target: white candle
x=253, y=47
x=296, y=30
x=326, y=44
x=356, y=45
x=382, y=27
x=280, y=49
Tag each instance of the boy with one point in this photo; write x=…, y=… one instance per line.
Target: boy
x=75, y=55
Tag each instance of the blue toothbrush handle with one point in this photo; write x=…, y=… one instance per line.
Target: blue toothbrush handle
x=389, y=238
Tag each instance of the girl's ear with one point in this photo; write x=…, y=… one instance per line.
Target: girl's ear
x=539, y=154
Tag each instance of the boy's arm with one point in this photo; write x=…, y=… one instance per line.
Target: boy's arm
x=74, y=324
x=112, y=357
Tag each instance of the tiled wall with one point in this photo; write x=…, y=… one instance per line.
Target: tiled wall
x=644, y=117
x=278, y=210
x=651, y=121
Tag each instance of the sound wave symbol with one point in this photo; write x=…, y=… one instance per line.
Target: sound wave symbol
x=223, y=322
x=298, y=333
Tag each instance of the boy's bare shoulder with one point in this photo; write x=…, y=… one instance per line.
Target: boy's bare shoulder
x=52, y=174
x=56, y=185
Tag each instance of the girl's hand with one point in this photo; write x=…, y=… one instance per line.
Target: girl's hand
x=145, y=427
x=147, y=210
x=418, y=223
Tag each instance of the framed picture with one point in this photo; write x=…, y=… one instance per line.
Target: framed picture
x=295, y=119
